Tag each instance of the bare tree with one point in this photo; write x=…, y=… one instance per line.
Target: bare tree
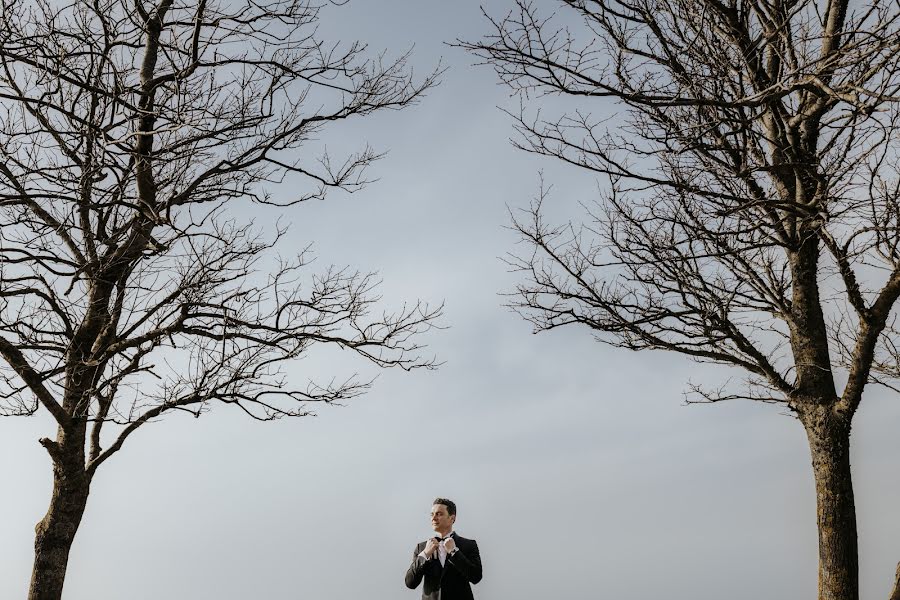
x=129, y=288
x=751, y=214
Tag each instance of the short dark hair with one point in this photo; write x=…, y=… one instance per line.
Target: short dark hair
x=450, y=504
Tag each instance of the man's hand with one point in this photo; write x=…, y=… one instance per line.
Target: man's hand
x=449, y=545
x=431, y=547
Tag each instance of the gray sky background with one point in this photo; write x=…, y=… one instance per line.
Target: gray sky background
x=575, y=466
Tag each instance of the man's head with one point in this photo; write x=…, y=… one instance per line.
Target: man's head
x=443, y=515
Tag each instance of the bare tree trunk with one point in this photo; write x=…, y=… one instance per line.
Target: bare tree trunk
x=55, y=533
x=829, y=442
x=895, y=593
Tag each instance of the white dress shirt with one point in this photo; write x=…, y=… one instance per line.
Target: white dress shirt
x=441, y=550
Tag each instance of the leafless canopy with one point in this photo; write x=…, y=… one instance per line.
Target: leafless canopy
x=131, y=136
x=751, y=216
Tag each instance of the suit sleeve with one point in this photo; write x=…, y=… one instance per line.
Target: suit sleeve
x=468, y=562
x=416, y=570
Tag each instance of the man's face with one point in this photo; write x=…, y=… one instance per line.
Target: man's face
x=441, y=520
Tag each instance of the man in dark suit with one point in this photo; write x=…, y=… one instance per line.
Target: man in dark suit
x=448, y=563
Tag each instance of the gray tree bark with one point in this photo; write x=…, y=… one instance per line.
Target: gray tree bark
x=829, y=440
x=55, y=533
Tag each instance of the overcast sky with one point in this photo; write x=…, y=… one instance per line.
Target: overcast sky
x=575, y=466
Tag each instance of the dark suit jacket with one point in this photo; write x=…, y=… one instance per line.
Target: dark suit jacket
x=454, y=579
